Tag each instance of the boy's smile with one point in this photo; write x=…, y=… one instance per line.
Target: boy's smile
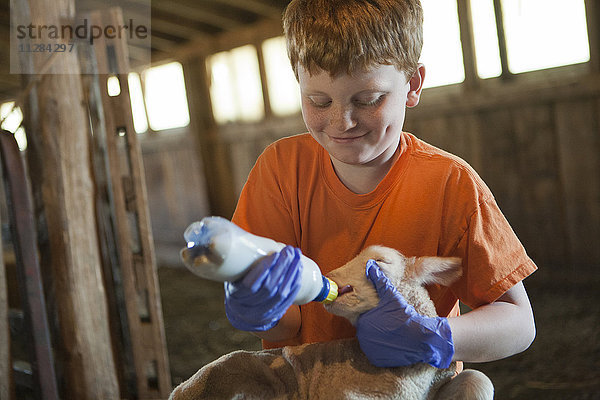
x=358, y=118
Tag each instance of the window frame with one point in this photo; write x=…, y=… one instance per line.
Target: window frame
x=505, y=83
x=472, y=79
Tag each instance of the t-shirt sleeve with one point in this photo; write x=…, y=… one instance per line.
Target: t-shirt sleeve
x=494, y=260
x=262, y=207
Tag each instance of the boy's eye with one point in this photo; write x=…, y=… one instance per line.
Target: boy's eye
x=370, y=101
x=319, y=101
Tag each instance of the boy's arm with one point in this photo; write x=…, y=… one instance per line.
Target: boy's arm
x=496, y=330
x=287, y=327
x=394, y=334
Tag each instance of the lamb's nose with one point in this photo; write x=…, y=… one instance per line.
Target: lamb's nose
x=345, y=289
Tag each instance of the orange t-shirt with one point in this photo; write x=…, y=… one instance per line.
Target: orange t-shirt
x=430, y=203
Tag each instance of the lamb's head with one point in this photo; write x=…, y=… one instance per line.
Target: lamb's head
x=409, y=275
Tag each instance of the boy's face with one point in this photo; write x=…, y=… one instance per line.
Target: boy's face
x=358, y=118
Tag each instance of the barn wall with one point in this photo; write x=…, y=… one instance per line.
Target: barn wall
x=538, y=148
x=176, y=187
x=536, y=142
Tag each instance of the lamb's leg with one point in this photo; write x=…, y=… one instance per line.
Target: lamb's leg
x=468, y=385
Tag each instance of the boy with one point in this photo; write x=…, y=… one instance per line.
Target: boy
x=357, y=179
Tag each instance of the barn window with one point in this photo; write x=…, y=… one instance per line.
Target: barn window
x=11, y=118
x=442, y=54
x=166, y=101
x=539, y=34
x=138, y=107
x=544, y=33
x=485, y=37
x=235, y=89
x=284, y=91
x=113, y=86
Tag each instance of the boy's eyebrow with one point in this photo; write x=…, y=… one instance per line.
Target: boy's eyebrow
x=359, y=93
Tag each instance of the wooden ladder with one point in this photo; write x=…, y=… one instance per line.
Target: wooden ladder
x=129, y=264
x=39, y=373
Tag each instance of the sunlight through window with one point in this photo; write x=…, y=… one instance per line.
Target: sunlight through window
x=138, y=108
x=545, y=33
x=166, y=101
x=113, y=86
x=235, y=90
x=284, y=92
x=12, y=118
x=442, y=51
x=485, y=36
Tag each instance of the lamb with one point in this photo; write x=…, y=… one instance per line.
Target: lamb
x=338, y=369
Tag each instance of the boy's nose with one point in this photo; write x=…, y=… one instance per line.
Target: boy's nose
x=342, y=119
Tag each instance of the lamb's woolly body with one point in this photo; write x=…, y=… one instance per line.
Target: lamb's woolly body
x=339, y=369
x=334, y=370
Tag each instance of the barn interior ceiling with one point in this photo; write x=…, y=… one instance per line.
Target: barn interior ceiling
x=175, y=25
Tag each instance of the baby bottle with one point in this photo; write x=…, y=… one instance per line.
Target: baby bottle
x=219, y=250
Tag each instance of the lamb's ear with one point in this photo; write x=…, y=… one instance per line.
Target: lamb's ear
x=440, y=270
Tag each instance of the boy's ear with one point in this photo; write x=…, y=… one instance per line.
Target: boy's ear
x=416, y=85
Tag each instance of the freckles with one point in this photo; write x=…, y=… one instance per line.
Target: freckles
x=313, y=120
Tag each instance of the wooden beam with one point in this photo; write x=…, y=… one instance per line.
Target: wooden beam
x=255, y=6
x=253, y=33
x=181, y=10
x=467, y=43
x=59, y=167
x=212, y=151
x=163, y=45
x=592, y=11
x=174, y=28
x=264, y=81
x=5, y=360
x=128, y=218
x=506, y=74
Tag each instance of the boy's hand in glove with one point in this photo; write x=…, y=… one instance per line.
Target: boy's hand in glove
x=393, y=334
x=257, y=301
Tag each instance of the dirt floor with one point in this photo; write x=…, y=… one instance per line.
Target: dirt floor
x=563, y=362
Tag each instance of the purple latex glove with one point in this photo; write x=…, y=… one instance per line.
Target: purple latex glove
x=257, y=301
x=394, y=334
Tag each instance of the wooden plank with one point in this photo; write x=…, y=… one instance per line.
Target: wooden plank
x=570, y=82
x=243, y=154
x=579, y=161
x=255, y=6
x=132, y=221
x=433, y=131
x=467, y=44
x=60, y=171
x=5, y=363
x=544, y=235
x=506, y=74
x=500, y=168
x=592, y=11
x=190, y=190
x=182, y=10
x=211, y=150
x=464, y=138
x=122, y=352
x=246, y=34
x=31, y=292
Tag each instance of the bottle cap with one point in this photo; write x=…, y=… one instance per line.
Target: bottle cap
x=329, y=292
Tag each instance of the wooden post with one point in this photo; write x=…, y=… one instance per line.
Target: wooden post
x=592, y=11
x=5, y=365
x=59, y=152
x=212, y=151
x=468, y=45
x=506, y=74
x=133, y=269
